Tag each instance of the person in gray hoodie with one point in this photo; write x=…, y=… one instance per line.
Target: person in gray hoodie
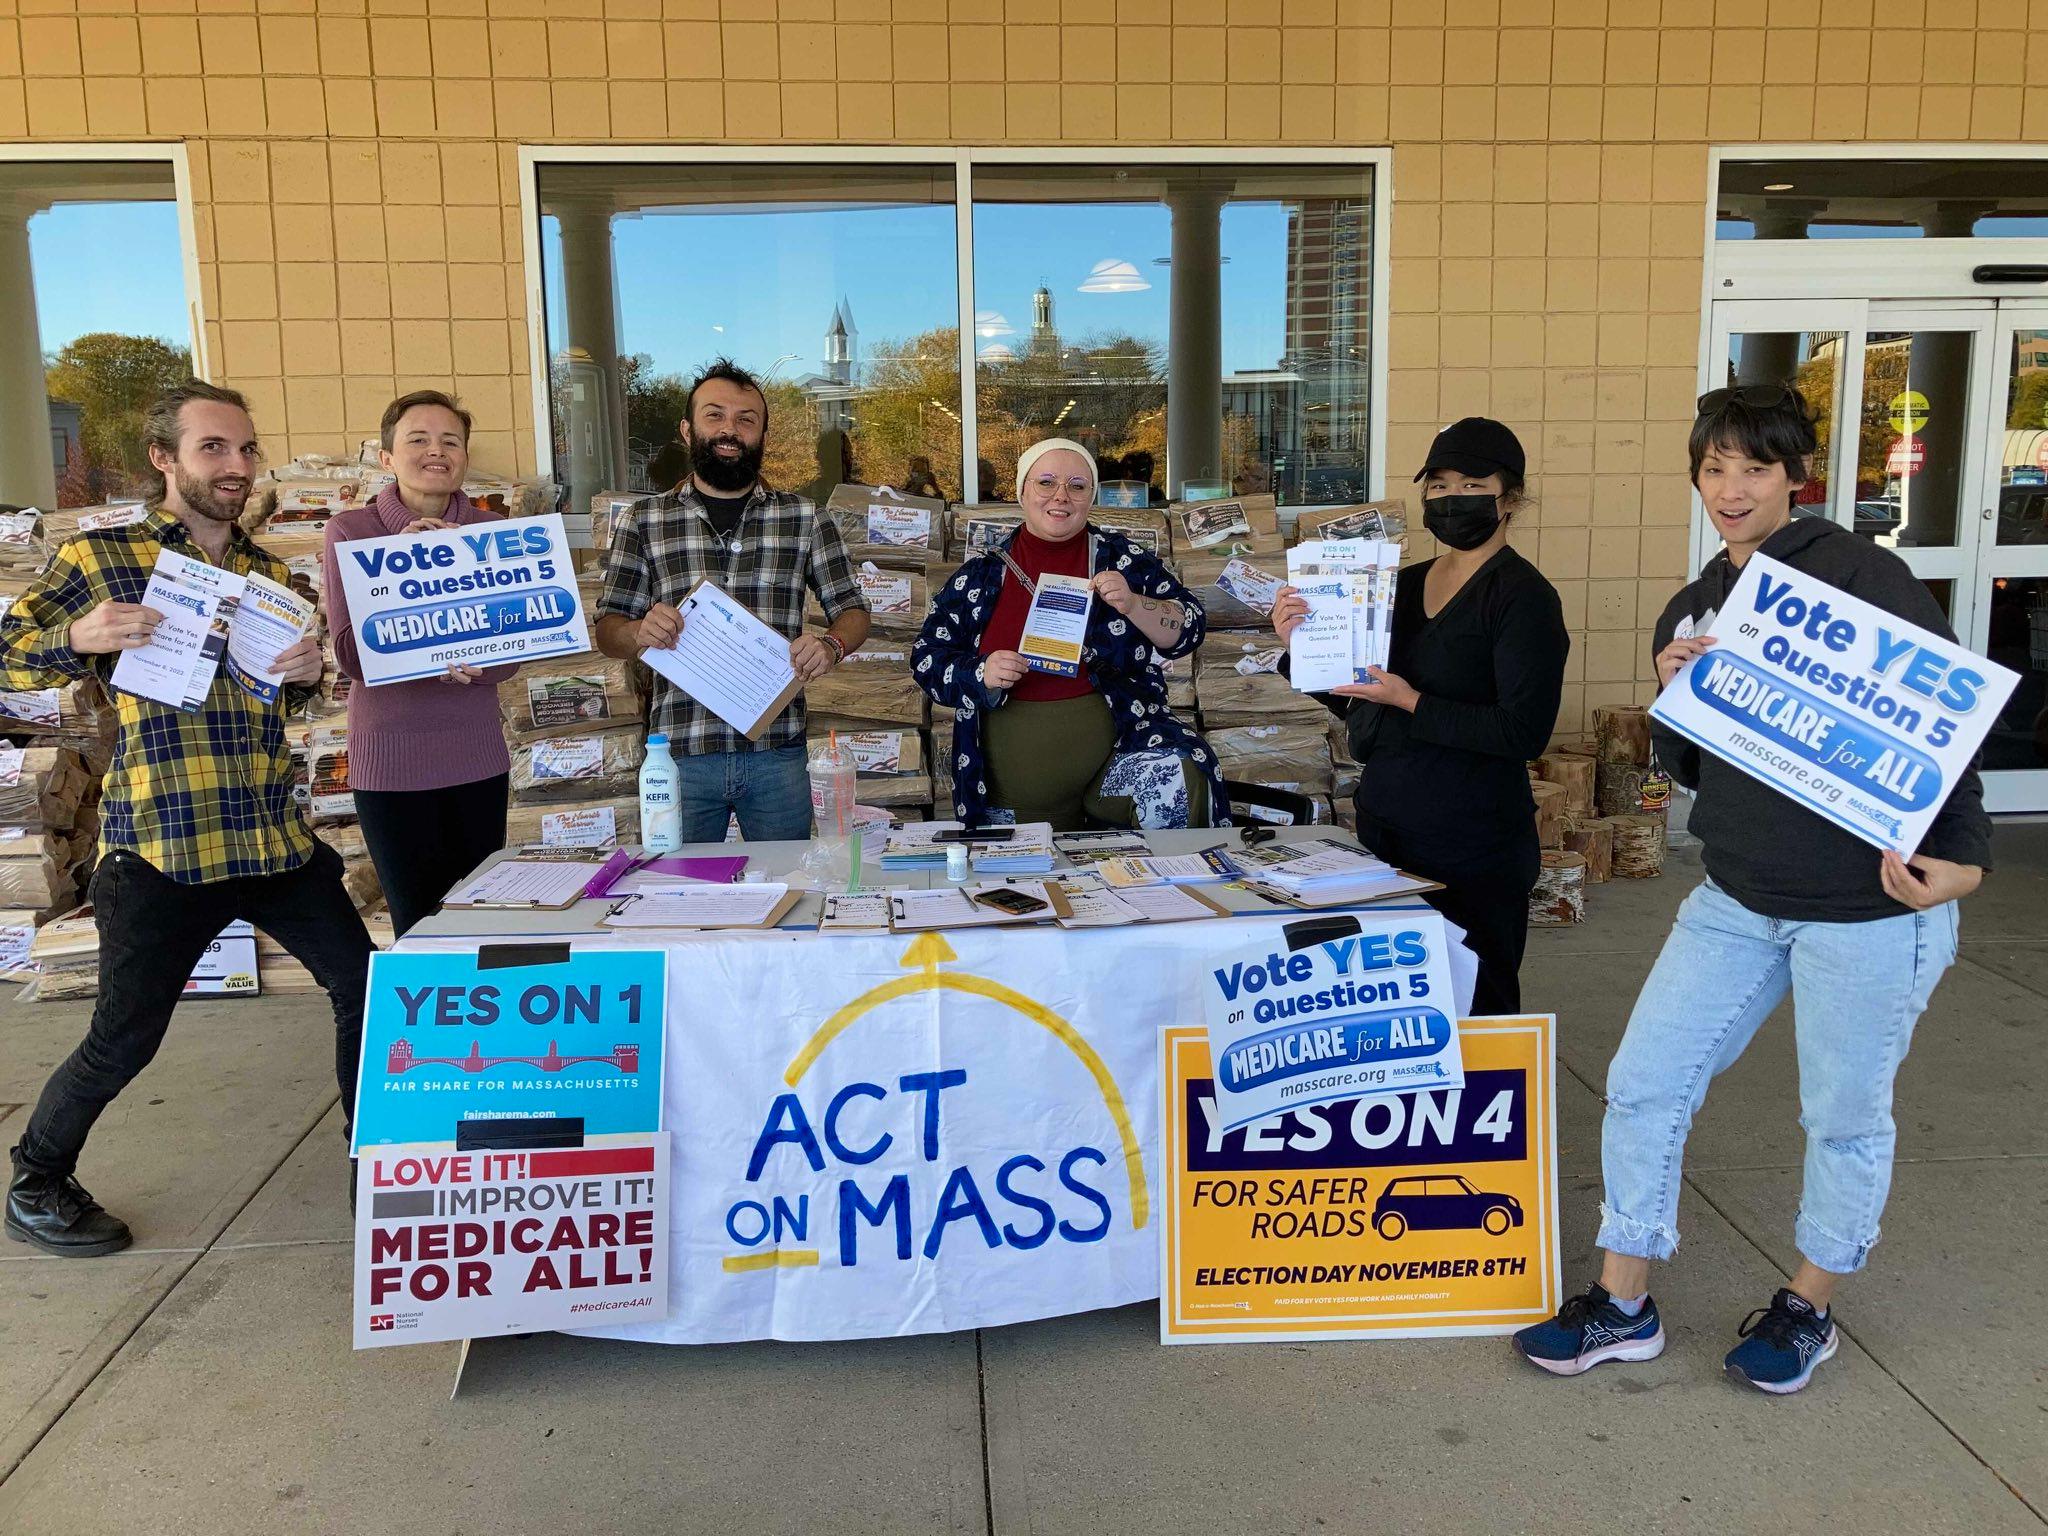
x=1791, y=901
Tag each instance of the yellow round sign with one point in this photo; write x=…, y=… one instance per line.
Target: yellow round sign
x=1909, y=411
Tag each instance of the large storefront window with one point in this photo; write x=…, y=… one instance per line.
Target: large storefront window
x=836, y=285
x=1881, y=198
x=94, y=323
x=1205, y=328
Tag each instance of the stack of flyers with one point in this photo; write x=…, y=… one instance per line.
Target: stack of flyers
x=1210, y=866
x=1083, y=848
x=1029, y=852
x=1350, y=586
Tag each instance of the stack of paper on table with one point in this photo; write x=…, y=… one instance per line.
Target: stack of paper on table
x=1027, y=853
x=1083, y=848
x=1207, y=867
x=1334, y=876
x=1095, y=905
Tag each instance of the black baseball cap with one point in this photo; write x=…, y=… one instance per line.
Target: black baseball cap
x=1476, y=446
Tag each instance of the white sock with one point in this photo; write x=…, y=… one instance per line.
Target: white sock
x=1630, y=1306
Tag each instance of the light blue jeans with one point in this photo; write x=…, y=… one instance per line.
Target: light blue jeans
x=1857, y=989
x=769, y=790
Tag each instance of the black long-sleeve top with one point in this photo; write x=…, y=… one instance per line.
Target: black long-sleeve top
x=1490, y=669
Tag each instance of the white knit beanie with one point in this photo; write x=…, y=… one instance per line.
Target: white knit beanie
x=1038, y=450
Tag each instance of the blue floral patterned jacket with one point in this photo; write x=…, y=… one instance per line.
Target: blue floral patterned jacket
x=946, y=662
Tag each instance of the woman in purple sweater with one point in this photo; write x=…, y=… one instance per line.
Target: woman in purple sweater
x=426, y=759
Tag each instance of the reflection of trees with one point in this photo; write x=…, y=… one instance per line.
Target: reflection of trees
x=111, y=379
x=2030, y=401
x=1107, y=391
x=909, y=408
x=1884, y=378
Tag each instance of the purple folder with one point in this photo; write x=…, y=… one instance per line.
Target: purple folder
x=724, y=870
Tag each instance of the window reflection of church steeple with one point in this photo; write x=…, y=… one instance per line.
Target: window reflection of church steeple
x=1044, y=338
x=842, y=344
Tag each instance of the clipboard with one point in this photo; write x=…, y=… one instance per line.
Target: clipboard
x=563, y=889
x=703, y=675
x=783, y=907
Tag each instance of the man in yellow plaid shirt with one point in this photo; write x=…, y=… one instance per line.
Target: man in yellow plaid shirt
x=198, y=826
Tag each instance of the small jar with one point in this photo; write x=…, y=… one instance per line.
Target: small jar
x=956, y=861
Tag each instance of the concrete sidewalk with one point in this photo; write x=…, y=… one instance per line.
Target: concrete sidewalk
x=203, y=1381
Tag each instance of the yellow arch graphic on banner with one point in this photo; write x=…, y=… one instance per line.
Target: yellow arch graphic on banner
x=926, y=953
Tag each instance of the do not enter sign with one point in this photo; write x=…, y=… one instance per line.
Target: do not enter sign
x=1908, y=456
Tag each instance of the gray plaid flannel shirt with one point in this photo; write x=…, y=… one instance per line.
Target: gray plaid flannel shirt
x=780, y=547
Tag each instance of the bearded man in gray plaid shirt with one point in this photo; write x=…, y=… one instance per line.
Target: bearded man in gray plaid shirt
x=763, y=548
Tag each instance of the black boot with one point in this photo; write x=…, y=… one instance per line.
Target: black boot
x=52, y=1212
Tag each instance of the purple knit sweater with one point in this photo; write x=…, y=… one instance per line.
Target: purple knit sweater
x=426, y=734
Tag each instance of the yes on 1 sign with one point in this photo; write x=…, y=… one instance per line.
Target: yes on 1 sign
x=1365, y=1013
x=448, y=1037
x=1862, y=717
x=478, y=595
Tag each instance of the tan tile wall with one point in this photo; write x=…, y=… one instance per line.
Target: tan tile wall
x=358, y=208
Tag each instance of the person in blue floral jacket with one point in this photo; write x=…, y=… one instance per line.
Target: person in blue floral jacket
x=1100, y=746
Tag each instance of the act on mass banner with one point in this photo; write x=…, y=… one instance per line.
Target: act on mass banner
x=478, y=595
x=1400, y=1216
x=1858, y=715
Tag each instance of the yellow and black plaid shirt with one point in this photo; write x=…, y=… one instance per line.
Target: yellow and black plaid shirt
x=204, y=794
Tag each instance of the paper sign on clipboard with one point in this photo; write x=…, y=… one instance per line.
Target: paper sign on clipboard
x=729, y=662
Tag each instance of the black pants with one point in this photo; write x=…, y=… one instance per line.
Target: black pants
x=153, y=929
x=424, y=840
x=1487, y=896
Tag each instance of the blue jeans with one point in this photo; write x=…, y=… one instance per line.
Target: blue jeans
x=769, y=790
x=1857, y=988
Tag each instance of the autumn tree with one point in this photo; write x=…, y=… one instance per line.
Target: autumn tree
x=111, y=378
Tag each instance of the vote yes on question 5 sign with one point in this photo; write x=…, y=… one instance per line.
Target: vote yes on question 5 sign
x=1342, y=1017
x=479, y=595
x=1864, y=718
x=449, y=1036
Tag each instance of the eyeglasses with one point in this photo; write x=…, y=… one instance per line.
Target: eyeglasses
x=1762, y=397
x=1049, y=487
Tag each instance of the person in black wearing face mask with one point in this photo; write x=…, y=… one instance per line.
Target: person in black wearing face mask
x=1470, y=694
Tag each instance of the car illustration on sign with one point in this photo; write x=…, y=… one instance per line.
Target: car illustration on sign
x=1442, y=1202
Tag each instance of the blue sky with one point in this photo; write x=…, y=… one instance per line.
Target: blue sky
x=109, y=267
x=762, y=285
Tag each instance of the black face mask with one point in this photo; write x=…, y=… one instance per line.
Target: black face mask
x=726, y=475
x=1462, y=522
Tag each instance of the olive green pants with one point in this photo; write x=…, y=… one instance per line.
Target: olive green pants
x=1046, y=759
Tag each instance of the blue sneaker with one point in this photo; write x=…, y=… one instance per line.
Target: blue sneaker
x=1589, y=1329
x=1783, y=1345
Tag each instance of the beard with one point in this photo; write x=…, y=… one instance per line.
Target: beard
x=199, y=495
x=726, y=475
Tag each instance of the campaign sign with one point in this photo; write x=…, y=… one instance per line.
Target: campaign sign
x=465, y=1245
x=480, y=595
x=1340, y=1018
x=1860, y=716
x=1393, y=1217
x=448, y=1037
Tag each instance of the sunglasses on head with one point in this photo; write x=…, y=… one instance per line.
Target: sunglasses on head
x=1762, y=397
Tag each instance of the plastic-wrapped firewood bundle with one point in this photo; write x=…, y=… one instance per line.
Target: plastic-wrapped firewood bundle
x=877, y=519
x=612, y=510
x=41, y=787
x=873, y=686
x=37, y=872
x=982, y=528
x=944, y=761
x=570, y=696
x=897, y=597
x=1146, y=528
x=596, y=823
x=600, y=766
x=1367, y=520
x=1286, y=754
x=328, y=795
x=65, y=953
x=1241, y=525
x=23, y=551
x=1238, y=683
x=1226, y=585
x=61, y=526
